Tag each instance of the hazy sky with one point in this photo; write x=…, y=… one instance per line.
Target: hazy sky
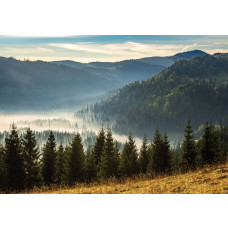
x=106, y=48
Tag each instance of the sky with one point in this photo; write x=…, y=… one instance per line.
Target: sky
x=106, y=48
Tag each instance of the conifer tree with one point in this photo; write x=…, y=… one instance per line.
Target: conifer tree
x=99, y=146
x=108, y=165
x=77, y=160
x=90, y=166
x=14, y=160
x=60, y=166
x=143, y=156
x=49, y=160
x=166, y=154
x=129, y=158
x=32, y=161
x=209, y=145
x=188, y=149
x=3, y=168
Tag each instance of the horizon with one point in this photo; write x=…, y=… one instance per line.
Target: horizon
x=106, y=48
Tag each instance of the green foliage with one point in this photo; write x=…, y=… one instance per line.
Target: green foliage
x=31, y=160
x=3, y=168
x=14, y=160
x=189, y=152
x=144, y=156
x=77, y=160
x=209, y=145
x=90, y=166
x=109, y=159
x=129, y=158
x=49, y=160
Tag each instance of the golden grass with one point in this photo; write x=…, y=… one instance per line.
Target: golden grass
x=205, y=181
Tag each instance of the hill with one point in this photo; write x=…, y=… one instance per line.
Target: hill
x=193, y=90
x=29, y=85
x=209, y=180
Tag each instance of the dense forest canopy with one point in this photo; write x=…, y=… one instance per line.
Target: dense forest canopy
x=193, y=89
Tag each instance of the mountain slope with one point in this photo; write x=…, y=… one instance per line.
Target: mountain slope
x=25, y=84
x=193, y=90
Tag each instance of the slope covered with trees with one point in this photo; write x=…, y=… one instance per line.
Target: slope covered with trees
x=193, y=89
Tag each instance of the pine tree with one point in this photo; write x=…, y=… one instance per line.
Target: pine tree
x=209, y=145
x=49, y=160
x=188, y=148
x=14, y=160
x=129, y=158
x=108, y=165
x=32, y=161
x=77, y=160
x=143, y=156
x=60, y=166
x=3, y=168
x=90, y=166
x=99, y=146
x=161, y=159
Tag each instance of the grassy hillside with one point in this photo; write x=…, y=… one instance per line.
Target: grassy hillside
x=205, y=181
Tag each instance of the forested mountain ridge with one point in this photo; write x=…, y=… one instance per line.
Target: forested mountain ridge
x=39, y=84
x=193, y=90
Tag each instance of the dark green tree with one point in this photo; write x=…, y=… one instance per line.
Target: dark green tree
x=209, y=145
x=99, y=146
x=77, y=160
x=90, y=166
x=188, y=149
x=49, y=160
x=14, y=160
x=32, y=160
x=109, y=164
x=60, y=166
x=129, y=158
x=143, y=156
x=3, y=168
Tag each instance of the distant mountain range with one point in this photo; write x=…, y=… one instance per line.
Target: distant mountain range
x=195, y=89
x=39, y=84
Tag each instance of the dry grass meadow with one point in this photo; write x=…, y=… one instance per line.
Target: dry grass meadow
x=209, y=180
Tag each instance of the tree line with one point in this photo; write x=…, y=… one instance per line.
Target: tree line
x=22, y=166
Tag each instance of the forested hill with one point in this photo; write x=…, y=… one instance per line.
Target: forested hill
x=31, y=85
x=193, y=90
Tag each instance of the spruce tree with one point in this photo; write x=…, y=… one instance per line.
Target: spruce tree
x=14, y=160
x=60, y=166
x=143, y=156
x=32, y=161
x=3, y=168
x=99, y=146
x=108, y=165
x=209, y=145
x=129, y=158
x=90, y=166
x=77, y=160
x=49, y=160
x=166, y=155
x=188, y=149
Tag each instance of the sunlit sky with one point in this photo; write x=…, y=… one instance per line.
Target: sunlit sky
x=106, y=48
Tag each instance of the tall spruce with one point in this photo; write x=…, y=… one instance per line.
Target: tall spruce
x=108, y=164
x=209, y=145
x=143, y=156
x=60, y=166
x=77, y=160
x=14, y=160
x=49, y=160
x=129, y=158
x=188, y=149
x=3, y=168
x=90, y=166
x=32, y=160
x=161, y=159
x=99, y=146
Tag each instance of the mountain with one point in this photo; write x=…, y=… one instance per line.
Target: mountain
x=195, y=89
x=169, y=60
x=124, y=71
x=29, y=85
